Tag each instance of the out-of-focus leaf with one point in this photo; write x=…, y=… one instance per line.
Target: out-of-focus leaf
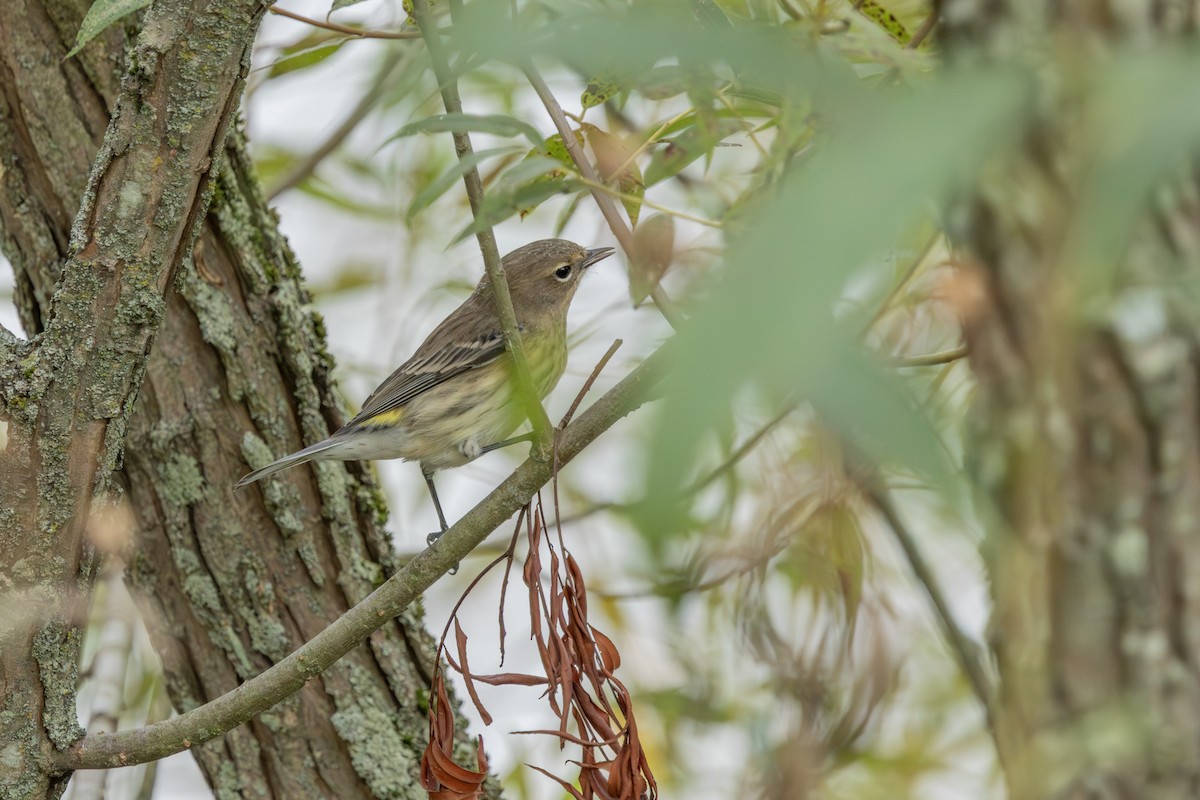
x=613, y=158
x=441, y=183
x=653, y=252
x=763, y=56
x=885, y=19
x=498, y=124
x=348, y=277
x=698, y=140
x=564, y=216
x=315, y=187
x=710, y=15
x=663, y=82
x=102, y=14
x=521, y=189
x=271, y=161
x=303, y=58
x=769, y=319
x=1145, y=121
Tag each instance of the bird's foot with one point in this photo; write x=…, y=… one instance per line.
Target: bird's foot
x=432, y=538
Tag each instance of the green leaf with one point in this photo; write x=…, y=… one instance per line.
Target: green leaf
x=443, y=182
x=1144, y=122
x=520, y=190
x=498, y=124
x=102, y=14
x=698, y=140
x=303, y=59
x=599, y=90
x=886, y=20
x=768, y=322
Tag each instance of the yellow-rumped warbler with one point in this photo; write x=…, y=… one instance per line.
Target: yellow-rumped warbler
x=454, y=399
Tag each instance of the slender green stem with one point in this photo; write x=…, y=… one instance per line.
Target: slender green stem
x=932, y=359
x=448, y=84
x=256, y=695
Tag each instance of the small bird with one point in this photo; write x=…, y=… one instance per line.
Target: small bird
x=454, y=399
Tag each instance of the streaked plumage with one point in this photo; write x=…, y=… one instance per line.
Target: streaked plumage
x=453, y=398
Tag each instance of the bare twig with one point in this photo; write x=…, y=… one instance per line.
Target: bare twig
x=365, y=104
x=542, y=429
x=607, y=207
x=964, y=648
x=729, y=463
x=935, y=11
x=263, y=691
x=360, y=33
x=587, y=385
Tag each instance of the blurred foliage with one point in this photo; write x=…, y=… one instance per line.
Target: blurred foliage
x=799, y=157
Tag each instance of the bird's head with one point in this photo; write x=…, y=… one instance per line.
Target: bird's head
x=543, y=275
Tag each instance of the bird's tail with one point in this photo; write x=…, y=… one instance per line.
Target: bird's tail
x=298, y=457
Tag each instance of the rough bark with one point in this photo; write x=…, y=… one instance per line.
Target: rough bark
x=229, y=582
x=1086, y=431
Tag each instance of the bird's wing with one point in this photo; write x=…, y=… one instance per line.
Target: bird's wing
x=461, y=343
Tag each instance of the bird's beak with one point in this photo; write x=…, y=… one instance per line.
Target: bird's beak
x=597, y=255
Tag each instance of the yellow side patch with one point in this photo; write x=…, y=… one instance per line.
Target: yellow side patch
x=386, y=419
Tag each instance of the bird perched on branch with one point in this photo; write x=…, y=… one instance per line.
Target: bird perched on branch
x=455, y=398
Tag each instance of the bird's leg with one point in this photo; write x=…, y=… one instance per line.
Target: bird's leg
x=524, y=437
x=437, y=505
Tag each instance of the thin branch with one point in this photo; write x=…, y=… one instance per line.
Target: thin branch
x=587, y=385
x=364, y=107
x=542, y=429
x=935, y=12
x=607, y=207
x=743, y=450
x=360, y=33
x=126, y=748
x=931, y=359
x=964, y=648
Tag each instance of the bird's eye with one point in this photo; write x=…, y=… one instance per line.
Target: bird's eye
x=563, y=272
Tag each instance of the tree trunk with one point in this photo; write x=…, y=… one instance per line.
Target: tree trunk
x=1086, y=427
x=229, y=582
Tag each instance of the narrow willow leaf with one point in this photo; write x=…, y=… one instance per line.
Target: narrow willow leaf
x=886, y=20
x=443, y=182
x=1144, y=122
x=653, y=252
x=697, y=141
x=498, y=124
x=768, y=321
x=303, y=59
x=521, y=189
x=102, y=14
